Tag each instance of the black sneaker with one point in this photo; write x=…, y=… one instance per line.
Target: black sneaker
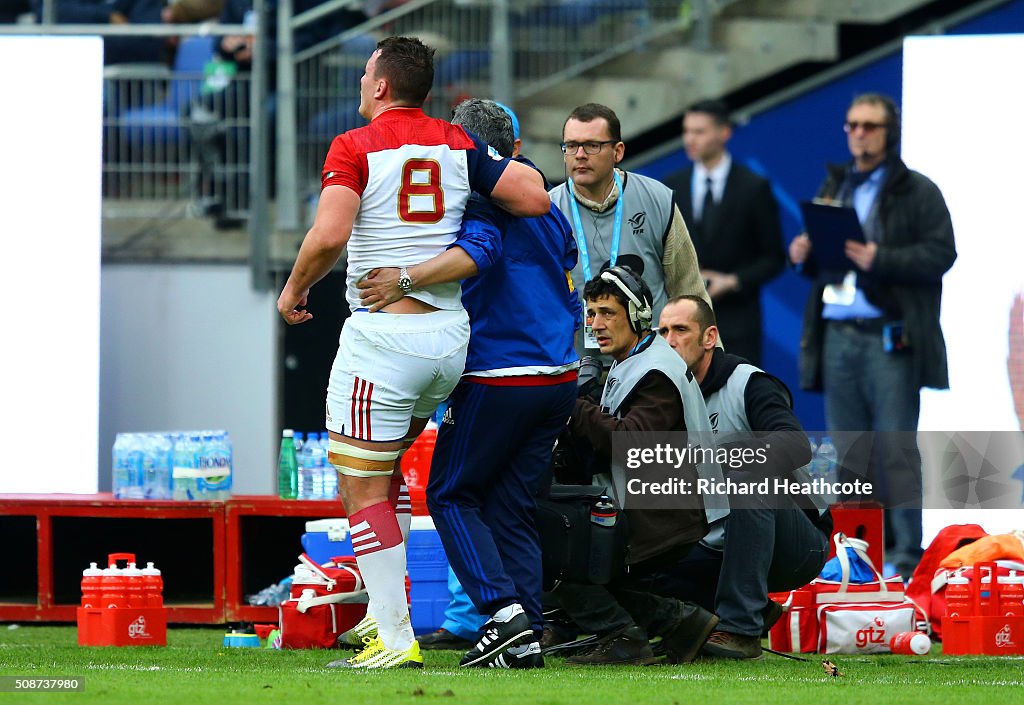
x=528, y=656
x=682, y=643
x=499, y=637
x=443, y=639
x=732, y=646
x=770, y=615
x=625, y=647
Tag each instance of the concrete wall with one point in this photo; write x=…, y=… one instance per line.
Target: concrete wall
x=190, y=347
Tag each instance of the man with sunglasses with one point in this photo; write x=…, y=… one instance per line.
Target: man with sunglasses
x=871, y=336
x=621, y=218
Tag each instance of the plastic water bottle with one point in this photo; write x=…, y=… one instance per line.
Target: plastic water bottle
x=225, y=463
x=826, y=460
x=202, y=451
x=134, y=590
x=318, y=462
x=1011, y=595
x=127, y=480
x=287, y=467
x=215, y=484
x=162, y=448
x=153, y=586
x=156, y=466
x=304, y=458
x=304, y=486
x=121, y=469
x=603, y=517
x=112, y=588
x=330, y=473
x=92, y=581
x=809, y=467
x=136, y=455
x=186, y=467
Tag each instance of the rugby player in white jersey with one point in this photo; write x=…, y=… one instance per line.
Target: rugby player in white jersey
x=393, y=192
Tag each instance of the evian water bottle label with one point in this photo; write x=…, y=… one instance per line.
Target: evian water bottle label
x=137, y=629
x=1004, y=638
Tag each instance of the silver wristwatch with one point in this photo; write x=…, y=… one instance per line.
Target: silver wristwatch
x=404, y=280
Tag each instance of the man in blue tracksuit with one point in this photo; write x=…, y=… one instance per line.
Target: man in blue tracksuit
x=495, y=440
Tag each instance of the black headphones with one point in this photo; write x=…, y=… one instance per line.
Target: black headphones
x=892, y=117
x=640, y=311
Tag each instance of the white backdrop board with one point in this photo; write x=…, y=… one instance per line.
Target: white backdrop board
x=962, y=104
x=50, y=142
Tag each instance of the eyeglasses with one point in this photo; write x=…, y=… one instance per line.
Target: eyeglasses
x=588, y=147
x=852, y=125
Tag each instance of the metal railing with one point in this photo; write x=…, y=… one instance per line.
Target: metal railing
x=506, y=50
x=183, y=141
x=176, y=138
x=187, y=142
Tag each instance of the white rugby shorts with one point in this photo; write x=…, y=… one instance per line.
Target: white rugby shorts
x=392, y=367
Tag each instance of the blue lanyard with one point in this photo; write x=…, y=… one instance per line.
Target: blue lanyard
x=581, y=238
x=640, y=344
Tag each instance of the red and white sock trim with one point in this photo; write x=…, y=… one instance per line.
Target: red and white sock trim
x=375, y=528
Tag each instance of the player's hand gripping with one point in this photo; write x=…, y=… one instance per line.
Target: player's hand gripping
x=379, y=288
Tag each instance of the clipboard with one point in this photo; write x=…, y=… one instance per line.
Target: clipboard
x=829, y=227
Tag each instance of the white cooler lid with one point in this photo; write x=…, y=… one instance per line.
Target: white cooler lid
x=422, y=523
x=335, y=526
x=328, y=526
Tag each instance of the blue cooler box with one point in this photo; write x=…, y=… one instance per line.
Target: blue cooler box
x=427, y=564
x=326, y=538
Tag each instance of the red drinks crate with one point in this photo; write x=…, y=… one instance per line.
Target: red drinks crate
x=122, y=608
x=985, y=630
x=113, y=626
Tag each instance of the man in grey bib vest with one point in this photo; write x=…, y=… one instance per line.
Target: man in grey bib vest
x=648, y=389
x=771, y=543
x=620, y=217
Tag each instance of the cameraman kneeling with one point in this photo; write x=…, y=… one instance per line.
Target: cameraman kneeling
x=648, y=389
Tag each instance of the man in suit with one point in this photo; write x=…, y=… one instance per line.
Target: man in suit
x=734, y=220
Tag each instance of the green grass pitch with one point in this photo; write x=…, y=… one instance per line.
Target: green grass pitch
x=195, y=669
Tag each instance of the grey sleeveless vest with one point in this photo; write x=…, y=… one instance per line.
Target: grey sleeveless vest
x=729, y=403
x=647, y=209
x=624, y=376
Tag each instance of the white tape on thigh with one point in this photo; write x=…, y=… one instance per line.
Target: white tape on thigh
x=354, y=461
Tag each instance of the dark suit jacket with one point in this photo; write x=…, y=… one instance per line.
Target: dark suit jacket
x=747, y=242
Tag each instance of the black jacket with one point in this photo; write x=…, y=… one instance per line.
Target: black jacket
x=769, y=406
x=653, y=405
x=905, y=281
x=746, y=240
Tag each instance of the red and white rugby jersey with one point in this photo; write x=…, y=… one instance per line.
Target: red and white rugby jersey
x=414, y=175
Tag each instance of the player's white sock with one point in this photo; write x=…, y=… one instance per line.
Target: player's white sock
x=398, y=496
x=403, y=512
x=380, y=553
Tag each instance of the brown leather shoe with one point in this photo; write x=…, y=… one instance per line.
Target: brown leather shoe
x=734, y=646
x=625, y=647
x=682, y=643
